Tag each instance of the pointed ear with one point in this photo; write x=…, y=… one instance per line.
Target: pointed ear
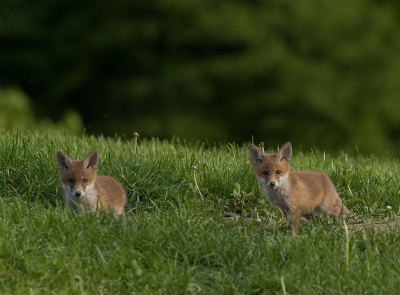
x=91, y=160
x=285, y=152
x=256, y=155
x=63, y=162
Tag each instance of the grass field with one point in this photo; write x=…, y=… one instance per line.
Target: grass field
x=207, y=230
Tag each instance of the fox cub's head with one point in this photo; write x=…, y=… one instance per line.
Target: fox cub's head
x=77, y=176
x=271, y=169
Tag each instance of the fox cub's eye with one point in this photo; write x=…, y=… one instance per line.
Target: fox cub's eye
x=265, y=172
x=70, y=180
x=84, y=180
x=278, y=171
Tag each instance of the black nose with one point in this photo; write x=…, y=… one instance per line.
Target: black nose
x=78, y=194
x=272, y=183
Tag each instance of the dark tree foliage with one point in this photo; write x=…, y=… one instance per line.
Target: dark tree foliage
x=319, y=73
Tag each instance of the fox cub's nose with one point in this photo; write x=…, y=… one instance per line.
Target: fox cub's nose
x=272, y=183
x=78, y=193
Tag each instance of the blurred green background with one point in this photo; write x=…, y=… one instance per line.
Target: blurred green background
x=322, y=74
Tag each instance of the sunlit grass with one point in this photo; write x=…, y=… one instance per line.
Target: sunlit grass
x=208, y=232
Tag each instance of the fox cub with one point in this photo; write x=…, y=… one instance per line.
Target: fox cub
x=296, y=193
x=83, y=188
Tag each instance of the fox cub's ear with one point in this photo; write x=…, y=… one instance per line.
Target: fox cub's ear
x=63, y=162
x=91, y=160
x=285, y=152
x=256, y=155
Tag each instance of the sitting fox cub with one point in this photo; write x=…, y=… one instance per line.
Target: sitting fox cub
x=296, y=193
x=82, y=186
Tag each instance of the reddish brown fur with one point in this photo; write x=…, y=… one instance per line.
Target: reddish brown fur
x=109, y=189
x=296, y=193
x=94, y=192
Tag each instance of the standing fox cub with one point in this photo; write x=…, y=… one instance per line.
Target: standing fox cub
x=296, y=193
x=82, y=186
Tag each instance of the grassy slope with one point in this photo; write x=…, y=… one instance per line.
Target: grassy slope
x=172, y=241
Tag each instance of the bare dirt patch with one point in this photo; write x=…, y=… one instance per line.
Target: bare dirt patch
x=354, y=226
x=384, y=225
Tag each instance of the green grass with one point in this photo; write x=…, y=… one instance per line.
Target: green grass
x=175, y=237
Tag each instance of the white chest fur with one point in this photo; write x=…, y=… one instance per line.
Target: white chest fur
x=88, y=200
x=279, y=195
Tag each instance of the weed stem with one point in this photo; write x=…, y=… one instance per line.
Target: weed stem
x=135, y=135
x=347, y=244
x=283, y=286
x=195, y=182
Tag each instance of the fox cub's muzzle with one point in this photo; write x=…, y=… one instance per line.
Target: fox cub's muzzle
x=77, y=192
